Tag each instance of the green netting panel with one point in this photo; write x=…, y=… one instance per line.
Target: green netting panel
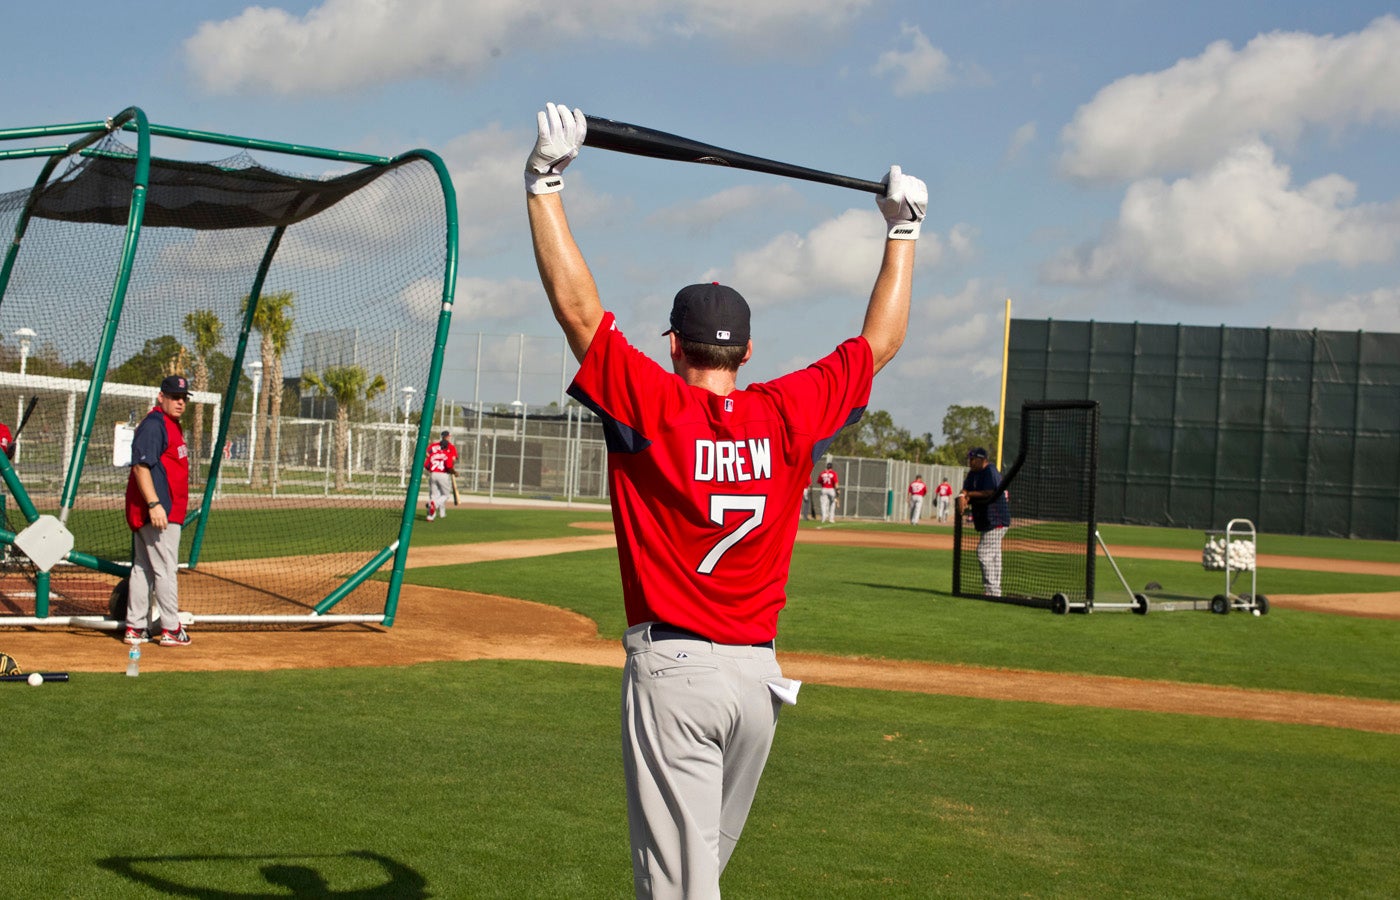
x=1298, y=431
x=313, y=487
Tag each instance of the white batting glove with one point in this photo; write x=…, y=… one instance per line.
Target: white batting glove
x=904, y=204
x=561, y=136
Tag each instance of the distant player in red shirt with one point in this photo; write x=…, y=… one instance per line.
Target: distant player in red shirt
x=829, y=484
x=441, y=464
x=917, y=490
x=944, y=493
x=705, y=480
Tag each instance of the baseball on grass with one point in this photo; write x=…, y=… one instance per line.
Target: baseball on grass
x=36, y=679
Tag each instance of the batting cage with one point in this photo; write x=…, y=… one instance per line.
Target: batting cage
x=309, y=312
x=1045, y=557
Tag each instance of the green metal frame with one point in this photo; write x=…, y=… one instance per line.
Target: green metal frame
x=133, y=119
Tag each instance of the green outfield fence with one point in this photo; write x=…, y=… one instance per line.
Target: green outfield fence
x=1297, y=431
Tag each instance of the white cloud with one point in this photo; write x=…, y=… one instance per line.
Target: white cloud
x=1377, y=310
x=1240, y=219
x=838, y=257
x=1021, y=138
x=701, y=217
x=345, y=44
x=920, y=69
x=483, y=298
x=1191, y=114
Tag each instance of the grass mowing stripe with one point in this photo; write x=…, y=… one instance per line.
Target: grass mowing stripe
x=893, y=604
x=502, y=779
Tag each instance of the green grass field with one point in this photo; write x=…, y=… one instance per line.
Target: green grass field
x=503, y=779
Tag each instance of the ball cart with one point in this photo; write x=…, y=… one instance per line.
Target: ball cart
x=1233, y=551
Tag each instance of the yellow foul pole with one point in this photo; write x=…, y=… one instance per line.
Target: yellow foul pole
x=1005, y=357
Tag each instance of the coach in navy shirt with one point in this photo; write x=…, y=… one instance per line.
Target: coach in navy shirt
x=982, y=495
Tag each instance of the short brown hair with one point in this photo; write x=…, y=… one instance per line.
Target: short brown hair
x=713, y=356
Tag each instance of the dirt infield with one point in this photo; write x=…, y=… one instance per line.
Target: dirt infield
x=437, y=624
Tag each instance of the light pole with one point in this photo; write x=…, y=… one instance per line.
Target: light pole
x=403, y=440
x=26, y=336
x=255, y=372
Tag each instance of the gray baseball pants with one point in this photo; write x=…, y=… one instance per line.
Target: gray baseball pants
x=155, y=562
x=439, y=491
x=989, y=558
x=697, y=723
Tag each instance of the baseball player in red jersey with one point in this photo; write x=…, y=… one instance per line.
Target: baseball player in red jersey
x=829, y=484
x=944, y=492
x=441, y=464
x=917, y=490
x=705, y=479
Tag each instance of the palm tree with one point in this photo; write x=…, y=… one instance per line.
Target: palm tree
x=349, y=385
x=208, y=332
x=273, y=320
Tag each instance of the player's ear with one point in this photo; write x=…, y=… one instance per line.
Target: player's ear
x=748, y=352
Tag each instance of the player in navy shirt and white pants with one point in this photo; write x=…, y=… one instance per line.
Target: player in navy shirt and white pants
x=990, y=516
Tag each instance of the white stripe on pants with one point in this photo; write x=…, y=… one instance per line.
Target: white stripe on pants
x=989, y=558
x=155, y=562
x=697, y=723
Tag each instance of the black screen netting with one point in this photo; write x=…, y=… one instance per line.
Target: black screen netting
x=312, y=483
x=1049, y=547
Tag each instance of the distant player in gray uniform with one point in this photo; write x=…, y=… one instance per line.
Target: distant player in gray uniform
x=991, y=516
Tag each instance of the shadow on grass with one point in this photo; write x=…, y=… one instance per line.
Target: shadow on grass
x=287, y=875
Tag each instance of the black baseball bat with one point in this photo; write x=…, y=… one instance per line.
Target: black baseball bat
x=28, y=411
x=47, y=676
x=625, y=138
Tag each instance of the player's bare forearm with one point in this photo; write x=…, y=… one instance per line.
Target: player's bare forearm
x=568, y=283
x=887, y=316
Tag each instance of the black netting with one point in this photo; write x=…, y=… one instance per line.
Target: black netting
x=230, y=193
x=1050, y=491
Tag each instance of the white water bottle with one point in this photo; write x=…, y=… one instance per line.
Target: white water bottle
x=133, y=664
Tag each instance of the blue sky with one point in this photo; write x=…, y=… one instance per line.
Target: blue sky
x=1203, y=163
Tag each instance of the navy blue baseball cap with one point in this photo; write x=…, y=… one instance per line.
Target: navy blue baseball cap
x=710, y=314
x=977, y=453
x=174, y=386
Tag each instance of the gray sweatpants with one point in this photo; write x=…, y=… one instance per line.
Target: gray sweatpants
x=697, y=723
x=154, y=564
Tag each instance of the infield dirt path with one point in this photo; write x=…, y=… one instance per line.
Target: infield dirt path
x=438, y=624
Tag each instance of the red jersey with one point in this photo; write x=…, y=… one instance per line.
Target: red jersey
x=4, y=438
x=159, y=445
x=827, y=478
x=705, y=489
x=945, y=490
x=917, y=488
x=441, y=457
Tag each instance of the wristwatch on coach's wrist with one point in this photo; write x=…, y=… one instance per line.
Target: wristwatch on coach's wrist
x=153, y=504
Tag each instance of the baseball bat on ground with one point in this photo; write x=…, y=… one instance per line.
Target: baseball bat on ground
x=47, y=676
x=625, y=138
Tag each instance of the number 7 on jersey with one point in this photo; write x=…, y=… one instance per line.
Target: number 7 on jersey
x=720, y=505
